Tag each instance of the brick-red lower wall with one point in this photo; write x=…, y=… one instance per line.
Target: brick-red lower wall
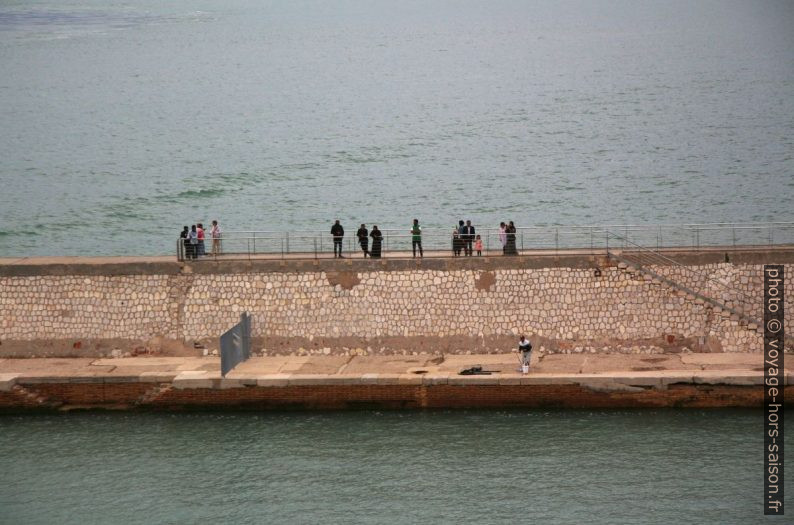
x=91, y=393
x=51, y=396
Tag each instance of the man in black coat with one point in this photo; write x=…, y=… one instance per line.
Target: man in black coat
x=468, y=237
x=363, y=239
x=338, y=234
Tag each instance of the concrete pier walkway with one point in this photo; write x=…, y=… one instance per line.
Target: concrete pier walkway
x=422, y=381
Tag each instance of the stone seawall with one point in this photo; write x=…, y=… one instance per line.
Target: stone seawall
x=568, y=304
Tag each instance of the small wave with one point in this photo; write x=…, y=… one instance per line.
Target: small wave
x=19, y=233
x=203, y=193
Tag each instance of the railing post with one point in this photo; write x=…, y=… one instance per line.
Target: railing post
x=697, y=235
x=287, y=240
x=591, y=239
x=522, y=241
x=556, y=241
x=315, y=247
x=733, y=230
x=659, y=238
x=254, y=243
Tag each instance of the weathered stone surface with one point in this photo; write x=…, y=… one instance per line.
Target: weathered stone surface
x=382, y=310
x=193, y=380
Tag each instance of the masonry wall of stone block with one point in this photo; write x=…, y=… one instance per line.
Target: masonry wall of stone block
x=386, y=311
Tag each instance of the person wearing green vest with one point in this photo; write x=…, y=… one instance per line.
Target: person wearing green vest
x=416, y=237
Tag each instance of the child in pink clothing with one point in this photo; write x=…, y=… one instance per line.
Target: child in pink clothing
x=478, y=245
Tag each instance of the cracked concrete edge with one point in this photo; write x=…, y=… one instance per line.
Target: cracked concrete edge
x=734, y=378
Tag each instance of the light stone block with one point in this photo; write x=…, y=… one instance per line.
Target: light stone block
x=156, y=377
x=193, y=379
x=370, y=379
x=7, y=381
x=409, y=379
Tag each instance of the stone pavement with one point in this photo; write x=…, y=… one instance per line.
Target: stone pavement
x=610, y=371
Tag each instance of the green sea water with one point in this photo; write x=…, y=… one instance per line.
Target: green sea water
x=502, y=467
x=121, y=121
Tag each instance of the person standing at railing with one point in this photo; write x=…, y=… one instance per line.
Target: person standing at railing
x=461, y=235
x=503, y=236
x=510, y=246
x=377, y=238
x=192, y=242
x=183, y=241
x=215, y=233
x=200, y=237
x=363, y=239
x=457, y=243
x=468, y=238
x=416, y=238
x=338, y=234
x=478, y=245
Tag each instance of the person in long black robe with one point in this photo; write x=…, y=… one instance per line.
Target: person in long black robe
x=457, y=243
x=510, y=247
x=184, y=253
x=377, y=238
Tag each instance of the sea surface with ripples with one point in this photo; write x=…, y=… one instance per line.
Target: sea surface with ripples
x=122, y=121
x=499, y=467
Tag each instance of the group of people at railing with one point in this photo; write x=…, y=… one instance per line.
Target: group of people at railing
x=465, y=240
x=192, y=240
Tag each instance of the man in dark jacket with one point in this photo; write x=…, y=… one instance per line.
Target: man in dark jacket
x=338, y=234
x=468, y=237
x=363, y=239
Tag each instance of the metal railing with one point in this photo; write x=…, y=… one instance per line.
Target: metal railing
x=687, y=278
x=438, y=242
